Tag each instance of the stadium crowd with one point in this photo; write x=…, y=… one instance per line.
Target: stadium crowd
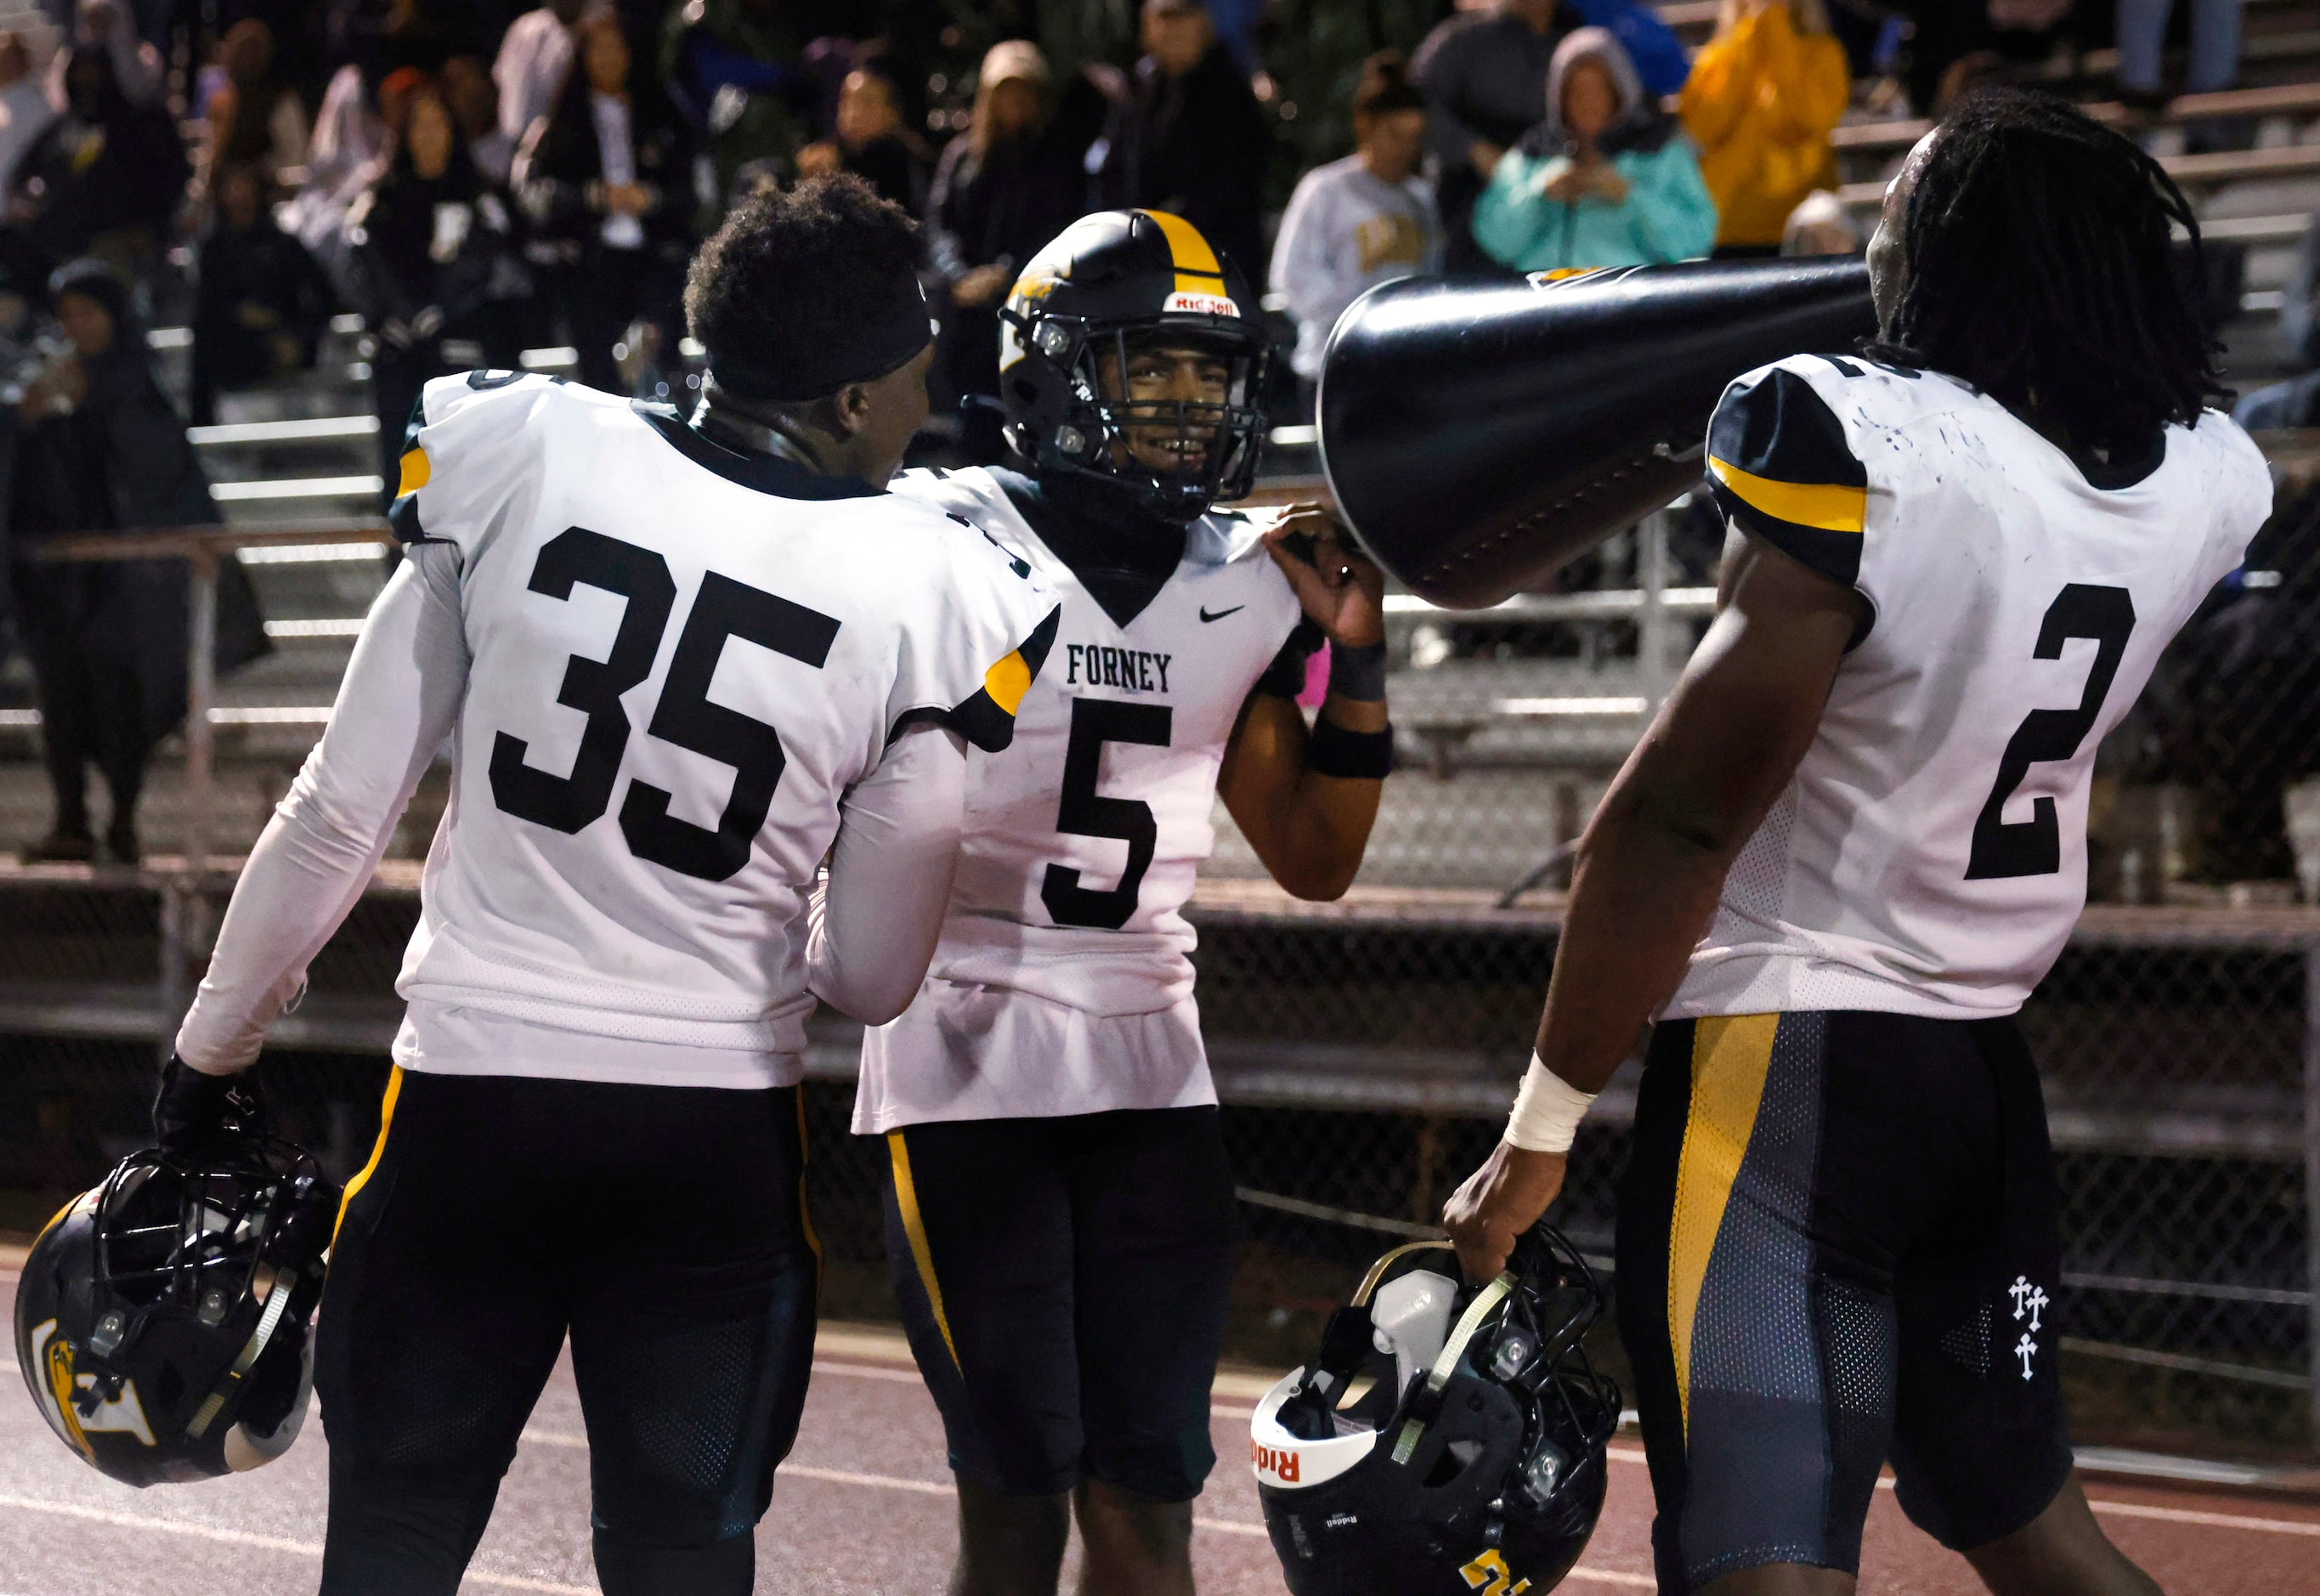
x=475, y=180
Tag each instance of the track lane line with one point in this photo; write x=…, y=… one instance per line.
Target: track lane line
x=2135, y=1509
x=263, y=1543
x=839, y=1476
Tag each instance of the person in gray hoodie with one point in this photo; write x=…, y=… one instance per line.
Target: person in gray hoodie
x=1360, y=220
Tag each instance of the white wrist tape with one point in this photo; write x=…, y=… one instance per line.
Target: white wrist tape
x=1547, y=1112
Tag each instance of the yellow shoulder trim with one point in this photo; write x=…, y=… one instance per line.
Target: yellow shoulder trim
x=1830, y=506
x=1008, y=681
x=416, y=471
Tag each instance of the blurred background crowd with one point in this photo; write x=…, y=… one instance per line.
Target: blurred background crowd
x=470, y=180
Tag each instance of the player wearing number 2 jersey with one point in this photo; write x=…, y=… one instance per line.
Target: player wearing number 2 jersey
x=677, y=663
x=1850, y=847
x=1060, y=1218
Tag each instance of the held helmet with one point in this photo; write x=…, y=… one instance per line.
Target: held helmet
x=1424, y=1453
x=1107, y=283
x=161, y=1321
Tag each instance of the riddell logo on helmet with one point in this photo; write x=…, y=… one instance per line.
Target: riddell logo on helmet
x=1200, y=304
x=1277, y=1462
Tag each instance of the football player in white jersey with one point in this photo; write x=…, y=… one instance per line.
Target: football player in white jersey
x=1060, y=1215
x=1852, y=844
x=676, y=663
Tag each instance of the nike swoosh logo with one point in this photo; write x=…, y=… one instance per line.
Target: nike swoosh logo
x=1221, y=614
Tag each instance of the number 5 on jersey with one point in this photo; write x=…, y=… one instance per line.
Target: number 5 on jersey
x=684, y=715
x=1083, y=813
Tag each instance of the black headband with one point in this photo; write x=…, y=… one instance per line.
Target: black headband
x=825, y=356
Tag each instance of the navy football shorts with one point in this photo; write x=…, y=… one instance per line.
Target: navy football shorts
x=1837, y=1247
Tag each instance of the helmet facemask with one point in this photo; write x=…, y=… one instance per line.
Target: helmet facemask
x=1130, y=424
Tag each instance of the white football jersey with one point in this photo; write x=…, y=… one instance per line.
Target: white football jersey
x=1930, y=856
x=1063, y=982
x=682, y=657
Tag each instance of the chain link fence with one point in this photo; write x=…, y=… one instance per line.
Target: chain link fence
x=1365, y=1051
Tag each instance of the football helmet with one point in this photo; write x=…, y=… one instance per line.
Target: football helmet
x=1444, y=1440
x=163, y=1318
x=1107, y=283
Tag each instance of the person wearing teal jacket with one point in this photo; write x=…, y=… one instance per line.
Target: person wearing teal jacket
x=1606, y=179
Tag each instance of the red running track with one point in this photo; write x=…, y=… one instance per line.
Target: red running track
x=864, y=1507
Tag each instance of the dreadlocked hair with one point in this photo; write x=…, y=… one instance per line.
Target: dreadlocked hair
x=2041, y=270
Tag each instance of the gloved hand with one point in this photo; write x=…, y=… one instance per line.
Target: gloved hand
x=196, y=1113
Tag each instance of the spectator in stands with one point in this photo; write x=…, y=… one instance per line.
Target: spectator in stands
x=535, y=57
x=2215, y=60
x=101, y=449
x=475, y=102
x=1002, y=189
x=1359, y=222
x=867, y=140
x=732, y=69
x=426, y=243
x=349, y=134
x=106, y=177
x=1661, y=62
x=25, y=109
x=1191, y=139
x=1763, y=97
x=1606, y=179
x=1484, y=75
x=1821, y=225
x=262, y=302
x=254, y=117
x=106, y=25
x=605, y=179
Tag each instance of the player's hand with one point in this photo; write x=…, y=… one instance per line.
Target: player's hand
x=195, y=1113
x=1341, y=591
x=1568, y=188
x=1607, y=184
x=1499, y=1201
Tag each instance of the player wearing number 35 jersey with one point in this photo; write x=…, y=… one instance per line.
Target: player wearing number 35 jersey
x=679, y=664
x=1060, y=1217
x=1855, y=841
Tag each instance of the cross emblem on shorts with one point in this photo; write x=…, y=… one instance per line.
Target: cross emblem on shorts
x=2025, y=1349
x=2028, y=1300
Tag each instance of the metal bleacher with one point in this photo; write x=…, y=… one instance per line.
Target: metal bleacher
x=1511, y=719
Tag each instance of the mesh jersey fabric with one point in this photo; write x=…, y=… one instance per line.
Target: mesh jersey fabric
x=1929, y=855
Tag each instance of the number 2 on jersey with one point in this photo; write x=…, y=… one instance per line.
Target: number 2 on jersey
x=1083, y=813
x=684, y=716
x=2034, y=846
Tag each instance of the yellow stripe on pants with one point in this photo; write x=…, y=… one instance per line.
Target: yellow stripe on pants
x=378, y=1150
x=914, y=1226
x=1730, y=1057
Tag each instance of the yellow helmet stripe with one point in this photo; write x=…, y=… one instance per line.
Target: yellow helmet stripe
x=1198, y=270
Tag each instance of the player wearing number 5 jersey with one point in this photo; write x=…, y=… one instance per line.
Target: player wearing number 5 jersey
x=678, y=664
x=1060, y=1218
x=1853, y=842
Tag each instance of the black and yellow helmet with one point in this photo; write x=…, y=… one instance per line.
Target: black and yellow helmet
x=1111, y=280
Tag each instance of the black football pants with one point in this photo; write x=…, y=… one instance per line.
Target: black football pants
x=661, y=1227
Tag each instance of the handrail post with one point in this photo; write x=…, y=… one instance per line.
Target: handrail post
x=201, y=691
x=1654, y=630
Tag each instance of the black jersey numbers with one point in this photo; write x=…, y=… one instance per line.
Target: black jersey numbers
x=1083, y=813
x=684, y=716
x=576, y=556
x=2034, y=846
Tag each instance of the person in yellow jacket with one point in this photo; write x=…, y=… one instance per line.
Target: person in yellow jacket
x=1763, y=95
